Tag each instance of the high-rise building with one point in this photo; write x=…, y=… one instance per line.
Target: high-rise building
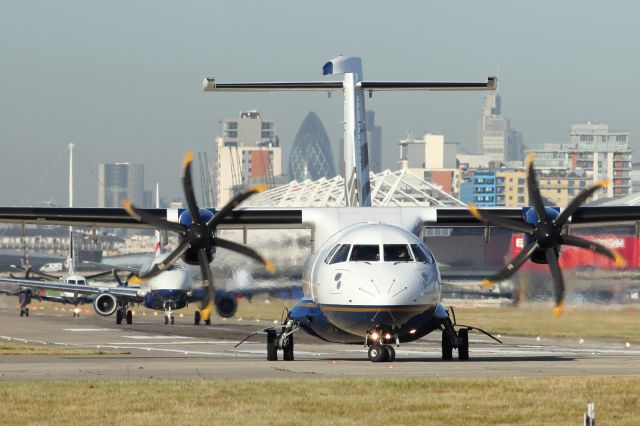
x=247, y=153
x=593, y=152
x=374, y=141
x=311, y=156
x=118, y=181
x=493, y=129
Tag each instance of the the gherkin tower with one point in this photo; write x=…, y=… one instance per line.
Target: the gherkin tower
x=311, y=156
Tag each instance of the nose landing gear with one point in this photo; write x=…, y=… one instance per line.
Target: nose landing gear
x=168, y=313
x=378, y=340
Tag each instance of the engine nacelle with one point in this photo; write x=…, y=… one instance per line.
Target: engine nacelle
x=105, y=304
x=226, y=305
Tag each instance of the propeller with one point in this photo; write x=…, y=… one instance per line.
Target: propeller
x=546, y=235
x=198, y=240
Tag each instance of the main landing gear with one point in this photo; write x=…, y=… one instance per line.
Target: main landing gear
x=168, y=313
x=282, y=339
x=124, y=314
x=24, y=311
x=197, y=317
x=379, y=340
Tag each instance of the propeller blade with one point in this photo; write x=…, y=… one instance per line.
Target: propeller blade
x=571, y=240
x=207, y=299
x=534, y=190
x=164, y=264
x=98, y=274
x=576, y=202
x=491, y=219
x=235, y=201
x=512, y=266
x=247, y=251
x=187, y=185
x=149, y=219
x=558, y=280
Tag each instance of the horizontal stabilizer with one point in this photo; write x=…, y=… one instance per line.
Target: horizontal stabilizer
x=210, y=85
x=491, y=84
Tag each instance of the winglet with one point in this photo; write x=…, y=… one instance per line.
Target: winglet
x=127, y=206
x=557, y=311
x=474, y=211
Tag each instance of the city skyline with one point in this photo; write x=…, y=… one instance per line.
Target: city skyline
x=126, y=86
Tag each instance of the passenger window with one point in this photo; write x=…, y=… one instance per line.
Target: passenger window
x=331, y=253
x=420, y=254
x=365, y=253
x=396, y=253
x=71, y=281
x=341, y=254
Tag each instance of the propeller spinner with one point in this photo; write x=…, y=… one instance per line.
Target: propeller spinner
x=197, y=229
x=544, y=235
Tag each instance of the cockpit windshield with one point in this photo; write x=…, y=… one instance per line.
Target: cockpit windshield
x=365, y=253
x=341, y=254
x=421, y=254
x=397, y=253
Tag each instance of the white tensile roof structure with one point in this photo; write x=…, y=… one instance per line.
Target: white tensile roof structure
x=399, y=188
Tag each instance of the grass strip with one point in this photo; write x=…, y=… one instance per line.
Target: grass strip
x=557, y=401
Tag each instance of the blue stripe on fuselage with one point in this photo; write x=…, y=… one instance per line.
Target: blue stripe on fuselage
x=156, y=299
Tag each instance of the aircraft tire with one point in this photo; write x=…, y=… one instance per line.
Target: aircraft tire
x=272, y=349
x=377, y=353
x=207, y=321
x=119, y=316
x=166, y=320
x=447, y=347
x=391, y=353
x=129, y=317
x=173, y=320
x=26, y=312
x=463, y=349
x=196, y=318
x=287, y=351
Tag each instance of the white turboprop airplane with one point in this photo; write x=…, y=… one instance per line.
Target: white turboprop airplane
x=370, y=279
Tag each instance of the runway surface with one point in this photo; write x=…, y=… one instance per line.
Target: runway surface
x=185, y=351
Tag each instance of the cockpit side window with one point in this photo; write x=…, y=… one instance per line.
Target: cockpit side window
x=82, y=282
x=331, y=253
x=365, y=253
x=341, y=254
x=397, y=253
x=71, y=282
x=420, y=254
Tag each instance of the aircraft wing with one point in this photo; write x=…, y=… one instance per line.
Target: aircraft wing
x=118, y=218
x=586, y=215
x=126, y=292
x=491, y=84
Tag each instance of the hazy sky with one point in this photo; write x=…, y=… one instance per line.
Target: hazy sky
x=122, y=80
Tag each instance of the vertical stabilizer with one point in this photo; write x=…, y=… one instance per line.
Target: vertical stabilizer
x=356, y=151
x=158, y=248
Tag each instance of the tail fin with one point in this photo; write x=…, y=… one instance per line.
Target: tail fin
x=157, y=248
x=70, y=259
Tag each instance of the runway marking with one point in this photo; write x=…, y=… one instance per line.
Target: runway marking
x=155, y=337
x=89, y=329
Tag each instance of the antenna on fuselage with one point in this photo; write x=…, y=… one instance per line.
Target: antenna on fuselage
x=356, y=153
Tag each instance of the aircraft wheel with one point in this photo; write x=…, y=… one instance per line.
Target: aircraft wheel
x=173, y=320
x=377, y=353
x=129, y=317
x=119, y=316
x=21, y=313
x=287, y=351
x=166, y=320
x=207, y=321
x=272, y=349
x=196, y=318
x=447, y=347
x=463, y=349
x=391, y=353
x=26, y=312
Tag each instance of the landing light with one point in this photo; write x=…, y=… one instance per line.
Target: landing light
x=412, y=331
x=374, y=336
x=387, y=336
x=76, y=311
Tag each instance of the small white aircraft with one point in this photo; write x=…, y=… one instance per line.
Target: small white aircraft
x=370, y=279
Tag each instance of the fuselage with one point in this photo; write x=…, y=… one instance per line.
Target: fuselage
x=370, y=275
x=172, y=286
